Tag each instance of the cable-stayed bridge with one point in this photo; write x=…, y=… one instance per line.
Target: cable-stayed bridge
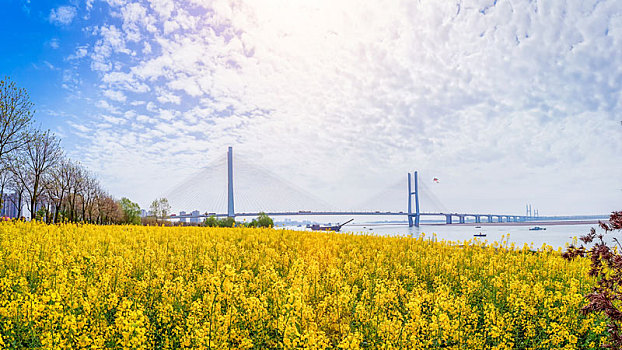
x=252, y=189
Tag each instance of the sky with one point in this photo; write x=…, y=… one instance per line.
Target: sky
x=507, y=103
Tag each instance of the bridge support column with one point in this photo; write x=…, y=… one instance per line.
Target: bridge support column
x=448, y=219
x=230, y=210
x=478, y=219
x=410, y=204
x=489, y=218
x=412, y=215
x=461, y=219
x=499, y=218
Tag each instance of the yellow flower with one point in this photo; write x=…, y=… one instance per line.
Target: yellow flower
x=131, y=287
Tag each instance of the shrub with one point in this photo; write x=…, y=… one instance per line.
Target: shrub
x=606, y=266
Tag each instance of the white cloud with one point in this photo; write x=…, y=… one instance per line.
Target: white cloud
x=81, y=52
x=146, y=48
x=166, y=97
x=103, y=104
x=111, y=119
x=115, y=95
x=80, y=127
x=54, y=43
x=62, y=15
x=512, y=97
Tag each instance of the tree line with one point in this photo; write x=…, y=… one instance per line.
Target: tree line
x=36, y=174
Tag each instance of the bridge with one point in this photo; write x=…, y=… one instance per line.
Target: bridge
x=449, y=217
x=413, y=212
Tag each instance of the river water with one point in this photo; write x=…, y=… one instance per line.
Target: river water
x=555, y=234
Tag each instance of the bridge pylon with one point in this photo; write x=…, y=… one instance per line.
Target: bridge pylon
x=230, y=209
x=416, y=214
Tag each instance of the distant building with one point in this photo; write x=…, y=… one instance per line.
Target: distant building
x=195, y=217
x=9, y=209
x=143, y=213
x=182, y=218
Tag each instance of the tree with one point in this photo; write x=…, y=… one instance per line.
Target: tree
x=38, y=157
x=59, y=184
x=77, y=184
x=264, y=220
x=109, y=210
x=606, y=267
x=131, y=211
x=226, y=222
x=160, y=208
x=5, y=178
x=89, y=195
x=18, y=188
x=211, y=221
x=15, y=117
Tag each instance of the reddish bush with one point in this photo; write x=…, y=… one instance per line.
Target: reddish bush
x=606, y=266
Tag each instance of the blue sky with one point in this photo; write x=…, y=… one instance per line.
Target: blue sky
x=507, y=103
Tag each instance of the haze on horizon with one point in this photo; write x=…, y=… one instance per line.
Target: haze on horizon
x=506, y=102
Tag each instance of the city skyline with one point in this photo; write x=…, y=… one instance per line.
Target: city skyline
x=503, y=103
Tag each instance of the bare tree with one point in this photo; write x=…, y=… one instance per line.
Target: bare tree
x=15, y=117
x=160, y=208
x=109, y=210
x=17, y=186
x=59, y=184
x=38, y=156
x=5, y=178
x=76, y=188
x=91, y=191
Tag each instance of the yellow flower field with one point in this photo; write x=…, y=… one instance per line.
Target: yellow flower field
x=131, y=287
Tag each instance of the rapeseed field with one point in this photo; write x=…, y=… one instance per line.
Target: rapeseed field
x=133, y=287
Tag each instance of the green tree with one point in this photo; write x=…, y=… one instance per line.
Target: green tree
x=160, y=208
x=226, y=222
x=211, y=222
x=131, y=211
x=262, y=220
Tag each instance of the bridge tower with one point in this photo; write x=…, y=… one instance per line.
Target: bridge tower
x=230, y=210
x=410, y=198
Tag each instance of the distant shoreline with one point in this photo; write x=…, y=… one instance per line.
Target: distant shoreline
x=524, y=223
x=520, y=223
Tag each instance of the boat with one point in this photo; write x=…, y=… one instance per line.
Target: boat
x=537, y=228
x=479, y=235
x=478, y=227
x=336, y=228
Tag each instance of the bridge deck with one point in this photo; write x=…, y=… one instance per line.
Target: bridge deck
x=344, y=213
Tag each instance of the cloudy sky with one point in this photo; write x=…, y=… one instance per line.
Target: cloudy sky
x=506, y=102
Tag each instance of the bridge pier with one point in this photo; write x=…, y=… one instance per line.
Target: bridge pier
x=416, y=215
x=478, y=219
x=448, y=218
x=489, y=218
x=230, y=210
x=461, y=218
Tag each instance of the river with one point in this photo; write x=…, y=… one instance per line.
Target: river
x=555, y=234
